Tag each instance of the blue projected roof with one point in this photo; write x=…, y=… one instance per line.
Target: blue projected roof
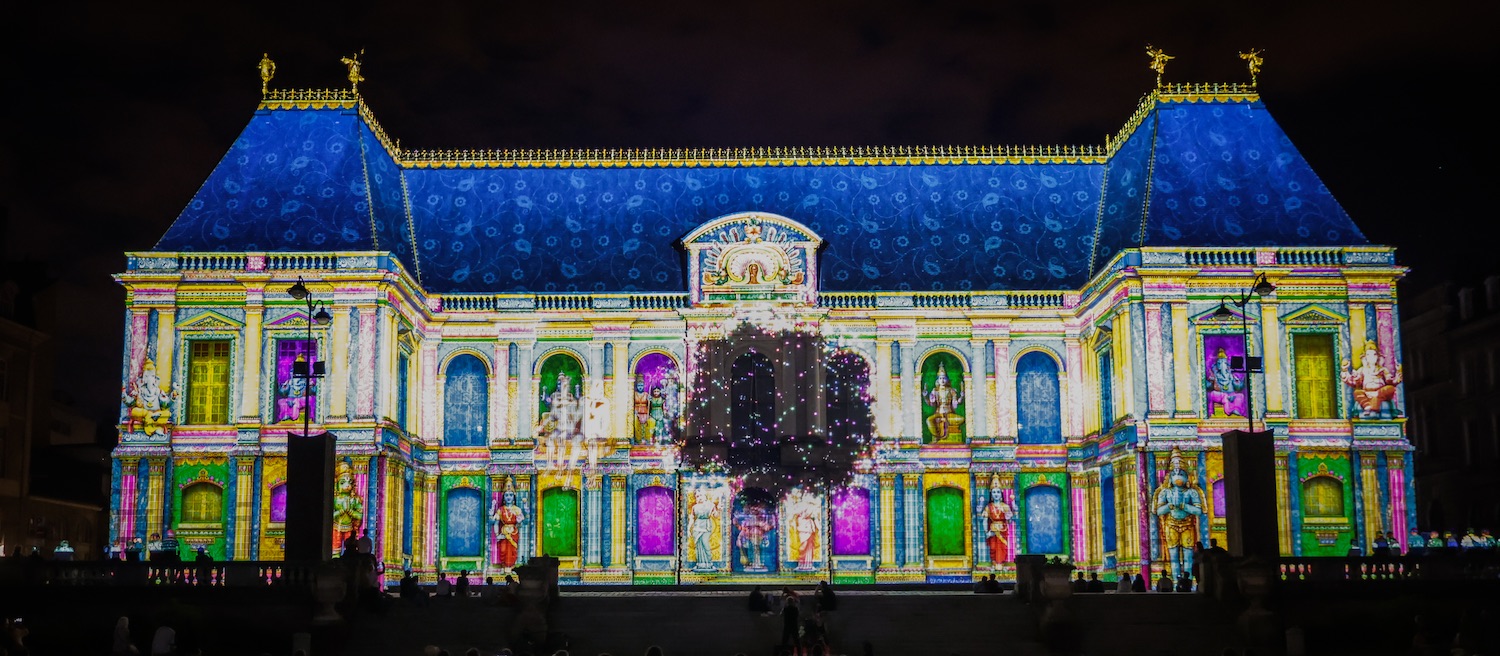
x=320, y=180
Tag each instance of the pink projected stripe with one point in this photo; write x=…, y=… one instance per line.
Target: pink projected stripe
x=1010, y=545
x=1080, y=548
x=1398, y=505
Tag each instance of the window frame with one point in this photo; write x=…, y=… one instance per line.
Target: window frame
x=1340, y=408
x=189, y=346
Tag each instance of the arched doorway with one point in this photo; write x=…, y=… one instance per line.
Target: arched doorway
x=466, y=402
x=755, y=535
x=1044, y=521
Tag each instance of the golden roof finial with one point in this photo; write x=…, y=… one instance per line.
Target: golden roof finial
x=1159, y=60
x=1254, y=59
x=352, y=61
x=267, y=71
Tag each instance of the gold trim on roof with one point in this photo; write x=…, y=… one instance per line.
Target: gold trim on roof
x=779, y=156
x=730, y=157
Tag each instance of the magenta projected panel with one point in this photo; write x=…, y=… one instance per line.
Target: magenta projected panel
x=653, y=517
x=851, y=522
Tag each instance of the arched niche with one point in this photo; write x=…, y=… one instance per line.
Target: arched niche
x=847, y=399
x=466, y=401
x=1038, y=399
x=656, y=398
x=944, y=397
x=560, y=388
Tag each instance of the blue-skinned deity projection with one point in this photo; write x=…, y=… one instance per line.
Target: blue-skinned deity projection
x=1179, y=508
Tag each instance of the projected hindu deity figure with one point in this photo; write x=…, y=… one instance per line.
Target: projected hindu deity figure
x=506, y=517
x=1179, y=508
x=944, y=422
x=1374, y=385
x=562, y=424
x=1226, y=388
x=996, y=517
x=296, y=393
x=149, y=402
x=642, y=407
x=703, y=528
x=671, y=407
x=805, y=529
x=348, y=511
x=757, y=526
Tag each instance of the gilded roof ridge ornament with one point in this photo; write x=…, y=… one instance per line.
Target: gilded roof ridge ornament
x=267, y=71
x=1254, y=60
x=352, y=61
x=1159, y=59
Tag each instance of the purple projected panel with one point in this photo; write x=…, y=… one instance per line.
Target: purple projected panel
x=653, y=521
x=278, y=503
x=289, y=390
x=1224, y=386
x=851, y=522
x=1219, y=498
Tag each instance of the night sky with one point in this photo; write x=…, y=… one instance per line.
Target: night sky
x=117, y=114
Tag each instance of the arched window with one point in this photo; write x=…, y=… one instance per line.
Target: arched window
x=203, y=503
x=654, y=527
x=465, y=536
x=754, y=539
x=846, y=385
x=466, y=402
x=1323, y=496
x=851, y=522
x=1038, y=402
x=752, y=414
x=1044, y=520
x=945, y=521
x=560, y=522
x=656, y=399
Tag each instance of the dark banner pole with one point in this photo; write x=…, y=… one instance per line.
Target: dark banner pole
x=309, y=497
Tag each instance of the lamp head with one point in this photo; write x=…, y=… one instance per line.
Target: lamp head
x=1263, y=287
x=1223, y=312
x=322, y=318
x=297, y=291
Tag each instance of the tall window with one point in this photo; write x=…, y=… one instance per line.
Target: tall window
x=208, y=382
x=1315, y=376
x=466, y=402
x=403, y=371
x=1106, y=389
x=1038, y=400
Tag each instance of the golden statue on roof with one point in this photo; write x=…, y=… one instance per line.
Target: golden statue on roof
x=1254, y=59
x=1159, y=59
x=352, y=61
x=267, y=71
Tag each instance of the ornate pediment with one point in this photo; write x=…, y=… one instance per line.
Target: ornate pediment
x=1314, y=314
x=752, y=256
x=209, y=320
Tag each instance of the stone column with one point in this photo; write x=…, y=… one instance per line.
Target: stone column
x=335, y=352
x=252, y=345
x=243, y=470
x=976, y=393
x=887, y=493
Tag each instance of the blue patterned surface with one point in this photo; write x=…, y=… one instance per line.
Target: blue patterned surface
x=1124, y=196
x=1038, y=401
x=1044, y=520
x=1226, y=175
x=465, y=522
x=318, y=180
x=293, y=181
x=466, y=402
x=887, y=227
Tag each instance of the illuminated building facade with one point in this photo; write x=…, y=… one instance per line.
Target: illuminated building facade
x=516, y=336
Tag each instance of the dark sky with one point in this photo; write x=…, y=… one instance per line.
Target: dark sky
x=118, y=111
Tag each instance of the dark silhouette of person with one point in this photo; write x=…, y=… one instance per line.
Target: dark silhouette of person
x=790, y=620
x=1139, y=584
x=1079, y=584
x=461, y=586
x=1095, y=585
x=826, y=598
x=758, y=601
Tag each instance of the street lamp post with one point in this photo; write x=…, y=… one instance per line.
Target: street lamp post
x=308, y=370
x=1246, y=364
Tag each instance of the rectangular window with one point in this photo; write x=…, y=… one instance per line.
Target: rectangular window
x=293, y=392
x=1315, y=376
x=208, y=382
